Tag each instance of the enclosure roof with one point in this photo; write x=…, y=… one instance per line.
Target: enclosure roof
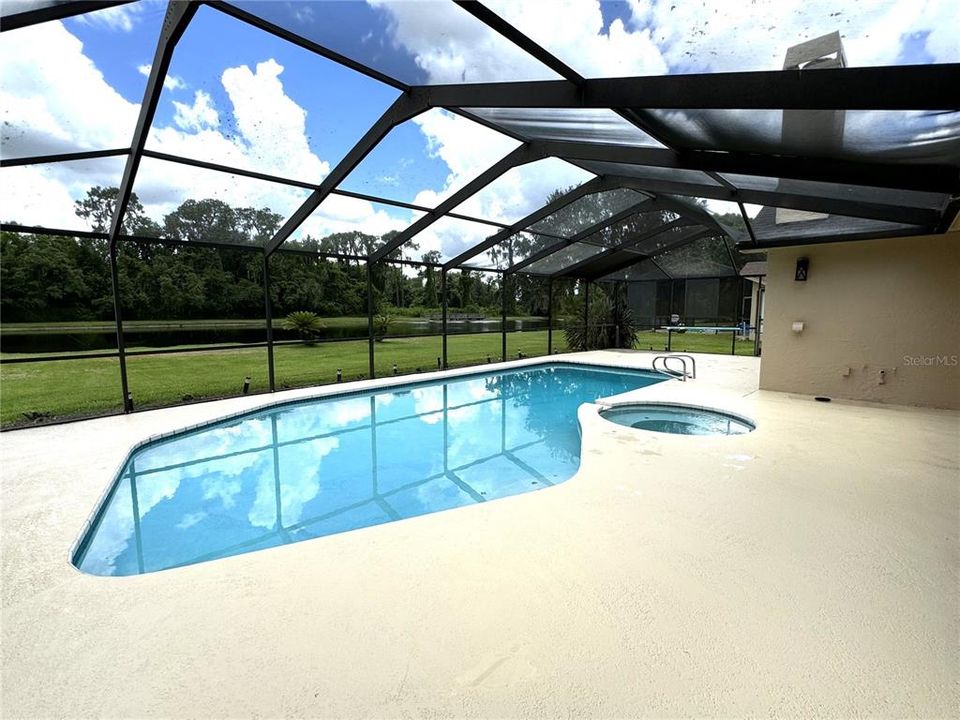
x=673, y=165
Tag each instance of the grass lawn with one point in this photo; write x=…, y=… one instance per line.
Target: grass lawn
x=62, y=389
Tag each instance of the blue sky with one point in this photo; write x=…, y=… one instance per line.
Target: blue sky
x=340, y=103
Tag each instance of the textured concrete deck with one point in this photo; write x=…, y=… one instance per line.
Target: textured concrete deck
x=808, y=568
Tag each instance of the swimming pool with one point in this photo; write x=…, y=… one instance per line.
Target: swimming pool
x=302, y=470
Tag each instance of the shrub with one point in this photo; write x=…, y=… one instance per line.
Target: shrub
x=306, y=323
x=609, y=324
x=381, y=325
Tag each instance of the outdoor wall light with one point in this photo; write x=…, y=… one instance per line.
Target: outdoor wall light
x=803, y=269
x=797, y=327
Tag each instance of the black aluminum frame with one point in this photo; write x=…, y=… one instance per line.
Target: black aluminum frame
x=918, y=87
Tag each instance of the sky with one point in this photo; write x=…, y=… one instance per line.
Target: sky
x=243, y=98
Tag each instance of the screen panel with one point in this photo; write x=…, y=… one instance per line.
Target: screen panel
x=706, y=257
x=563, y=258
x=522, y=190
x=587, y=211
x=783, y=224
x=74, y=195
x=617, y=39
x=194, y=204
x=909, y=136
x=593, y=125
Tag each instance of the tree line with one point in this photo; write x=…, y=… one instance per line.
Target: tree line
x=58, y=278
x=52, y=278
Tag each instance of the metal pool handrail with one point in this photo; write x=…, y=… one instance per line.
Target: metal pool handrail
x=682, y=374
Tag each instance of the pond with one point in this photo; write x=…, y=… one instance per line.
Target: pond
x=142, y=335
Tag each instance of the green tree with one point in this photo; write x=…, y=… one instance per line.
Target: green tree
x=98, y=207
x=428, y=278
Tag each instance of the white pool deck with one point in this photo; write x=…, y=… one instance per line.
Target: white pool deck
x=810, y=568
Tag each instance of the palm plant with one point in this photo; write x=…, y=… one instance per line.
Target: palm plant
x=305, y=323
x=381, y=323
x=609, y=324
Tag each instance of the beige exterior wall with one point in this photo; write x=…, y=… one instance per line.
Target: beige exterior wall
x=879, y=305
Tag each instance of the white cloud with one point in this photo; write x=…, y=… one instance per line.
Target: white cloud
x=269, y=137
x=44, y=194
x=722, y=36
x=468, y=148
x=522, y=189
x=573, y=31
x=718, y=35
x=271, y=124
x=119, y=17
x=301, y=484
x=197, y=117
x=338, y=213
x=54, y=99
x=655, y=37
x=170, y=82
x=465, y=50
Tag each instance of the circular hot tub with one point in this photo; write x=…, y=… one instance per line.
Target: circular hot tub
x=678, y=420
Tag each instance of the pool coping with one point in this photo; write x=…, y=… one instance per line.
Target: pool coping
x=614, y=404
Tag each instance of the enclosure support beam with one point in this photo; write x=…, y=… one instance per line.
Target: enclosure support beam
x=796, y=201
x=118, y=320
x=756, y=316
x=179, y=14
x=55, y=11
x=443, y=318
x=206, y=165
x=550, y=316
x=520, y=156
x=504, y=280
x=746, y=221
x=733, y=259
x=268, y=307
x=903, y=176
x=525, y=43
x=292, y=37
x=906, y=87
x=657, y=265
x=63, y=157
x=370, y=319
x=403, y=108
x=586, y=314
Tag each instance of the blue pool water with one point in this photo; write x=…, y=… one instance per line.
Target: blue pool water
x=678, y=420
x=299, y=471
